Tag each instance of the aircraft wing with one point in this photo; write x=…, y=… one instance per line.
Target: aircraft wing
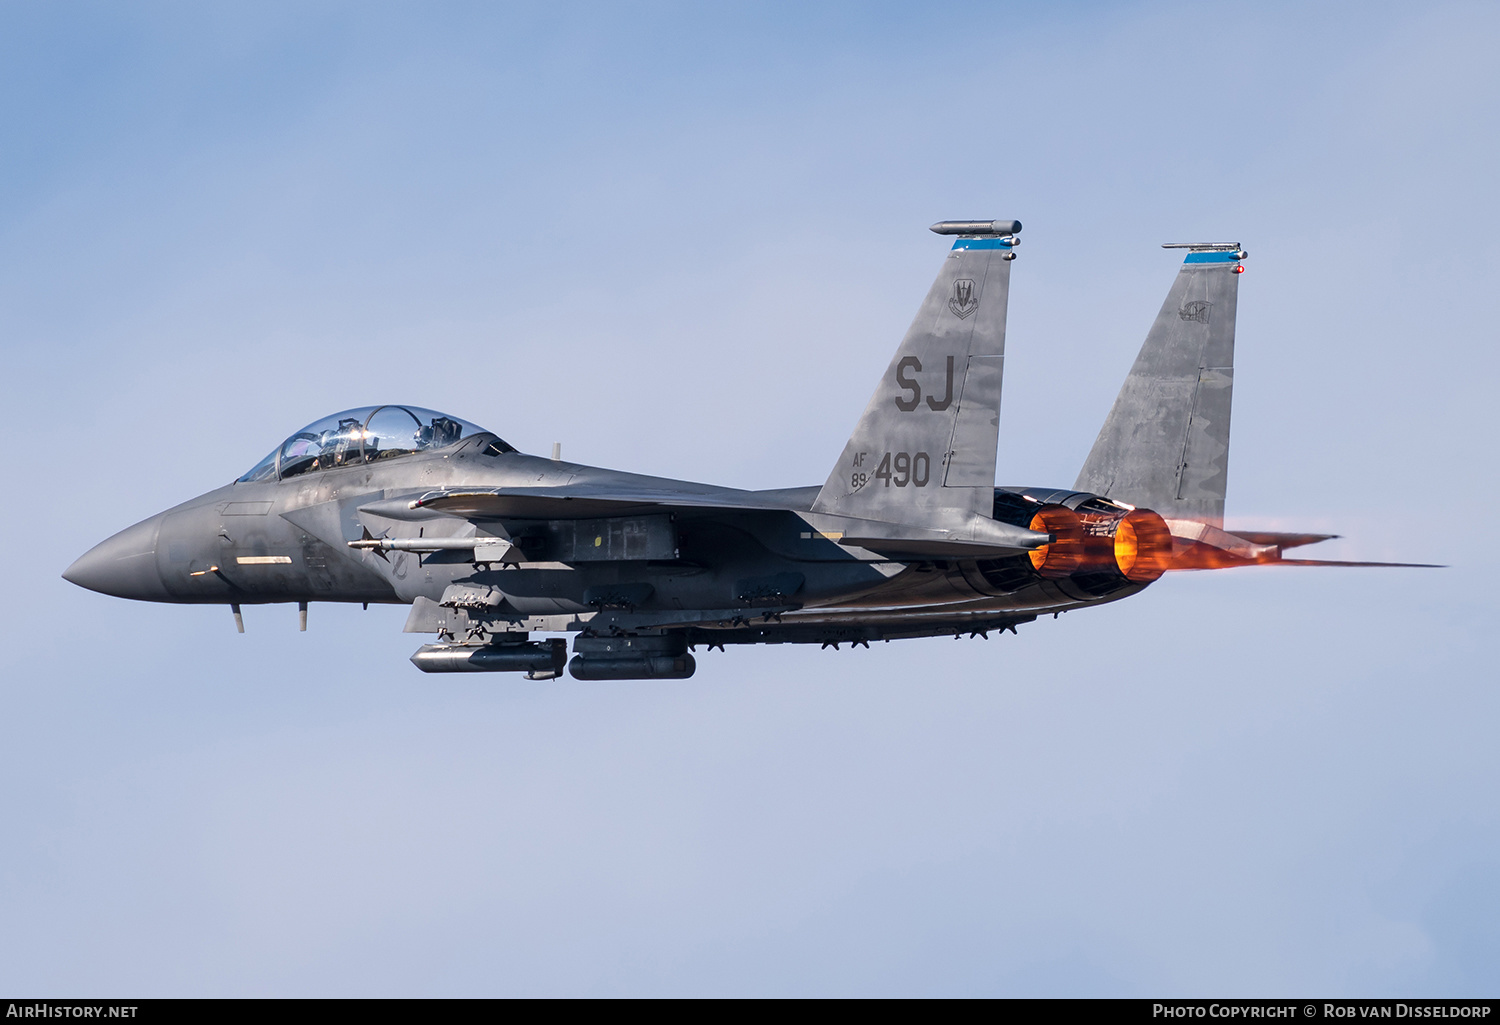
x=583, y=500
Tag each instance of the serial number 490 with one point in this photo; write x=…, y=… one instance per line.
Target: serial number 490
x=900, y=469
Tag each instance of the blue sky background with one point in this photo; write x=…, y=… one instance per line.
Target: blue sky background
x=685, y=240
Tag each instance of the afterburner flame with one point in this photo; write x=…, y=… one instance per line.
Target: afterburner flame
x=1143, y=546
x=1136, y=544
x=1064, y=555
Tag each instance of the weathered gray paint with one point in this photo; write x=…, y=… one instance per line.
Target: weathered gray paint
x=976, y=429
x=1165, y=444
x=939, y=399
x=488, y=545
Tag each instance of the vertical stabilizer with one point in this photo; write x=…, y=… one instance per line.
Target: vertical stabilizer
x=923, y=453
x=1165, y=444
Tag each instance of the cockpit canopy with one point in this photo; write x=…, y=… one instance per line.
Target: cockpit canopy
x=365, y=435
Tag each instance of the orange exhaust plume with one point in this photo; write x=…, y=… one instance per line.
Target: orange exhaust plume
x=1060, y=558
x=1143, y=546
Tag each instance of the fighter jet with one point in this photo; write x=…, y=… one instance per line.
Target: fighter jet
x=908, y=537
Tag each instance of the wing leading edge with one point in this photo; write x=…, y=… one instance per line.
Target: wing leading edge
x=579, y=501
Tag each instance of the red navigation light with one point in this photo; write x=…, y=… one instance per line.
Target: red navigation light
x=1239, y=268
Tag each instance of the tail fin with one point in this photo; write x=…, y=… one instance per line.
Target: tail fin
x=1165, y=444
x=923, y=453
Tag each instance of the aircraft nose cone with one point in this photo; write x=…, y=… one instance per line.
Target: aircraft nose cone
x=124, y=566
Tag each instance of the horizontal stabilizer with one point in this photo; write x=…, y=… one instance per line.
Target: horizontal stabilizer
x=1210, y=543
x=1197, y=545
x=1281, y=540
x=1331, y=562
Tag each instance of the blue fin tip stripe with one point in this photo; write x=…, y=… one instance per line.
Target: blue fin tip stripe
x=981, y=243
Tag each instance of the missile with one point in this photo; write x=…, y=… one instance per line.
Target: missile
x=486, y=549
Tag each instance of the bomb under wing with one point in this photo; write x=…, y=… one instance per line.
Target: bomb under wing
x=909, y=536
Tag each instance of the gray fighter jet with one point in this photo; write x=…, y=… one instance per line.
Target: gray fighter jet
x=908, y=537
